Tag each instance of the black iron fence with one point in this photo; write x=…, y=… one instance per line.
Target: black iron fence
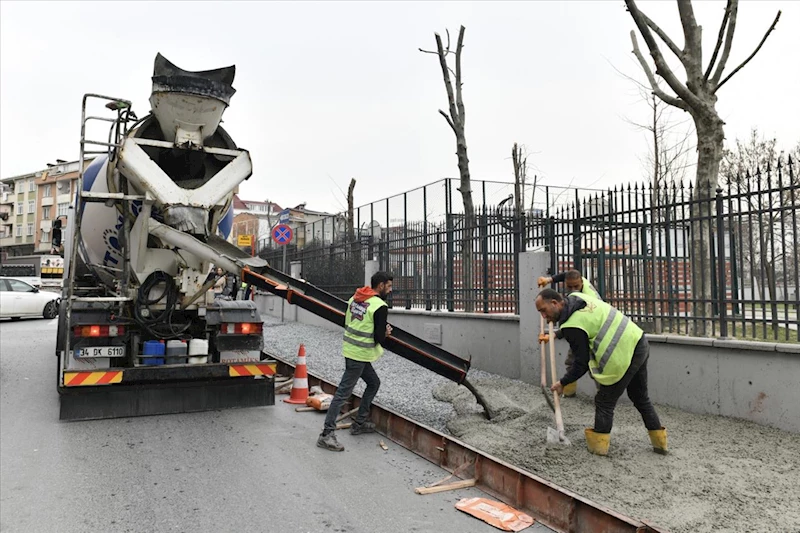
x=673, y=260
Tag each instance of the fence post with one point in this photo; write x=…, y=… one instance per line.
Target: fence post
x=485, y=259
x=576, y=235
x=551, y=245
x=721, y=292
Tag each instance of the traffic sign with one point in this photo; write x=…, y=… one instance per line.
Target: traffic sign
x=282, y=234
x=283, y=216
x=245, y=240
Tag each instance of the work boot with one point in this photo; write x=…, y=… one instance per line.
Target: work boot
x=571, y=389
x=597, y=442
x=364, y=427
x=659, y=439
x=329, y=442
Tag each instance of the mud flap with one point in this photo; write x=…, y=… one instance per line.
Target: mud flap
x=117, y=401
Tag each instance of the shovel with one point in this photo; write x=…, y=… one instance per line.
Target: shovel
x=545, y=390
x=556, y=436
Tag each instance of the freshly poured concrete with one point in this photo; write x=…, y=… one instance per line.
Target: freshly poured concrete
x=721, y=474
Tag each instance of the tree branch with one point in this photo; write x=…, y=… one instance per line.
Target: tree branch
x=662, y=68
x=664, y=37
x=449, y=120
x=446, y=75
x=459, y=101
x=726, y=52
x=693, y=46
x=671, y=100
x=746, y=61
x=720, y=37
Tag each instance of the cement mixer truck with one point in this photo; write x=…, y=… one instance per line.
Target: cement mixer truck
x=139, y=331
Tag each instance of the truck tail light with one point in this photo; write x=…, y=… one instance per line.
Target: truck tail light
x=243, y=328
x=99, y=331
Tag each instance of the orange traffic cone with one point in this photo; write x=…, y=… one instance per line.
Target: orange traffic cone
x=299, y=392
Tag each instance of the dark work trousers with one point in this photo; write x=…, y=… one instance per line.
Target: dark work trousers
x=352, y=372
x=635, y=382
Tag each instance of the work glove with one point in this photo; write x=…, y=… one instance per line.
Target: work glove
x=544, y=280
x=544, y=337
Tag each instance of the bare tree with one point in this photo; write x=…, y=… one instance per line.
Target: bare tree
x=520, y=176
x=456, y=119
x=351, y=233
x=667, y=158
x=698, y=97
x=753, y=171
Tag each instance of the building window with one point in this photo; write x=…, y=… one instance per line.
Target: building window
x=47, y=193
x=45, y=237
x=19, y=230
x=20, y=208
x=46, y=212
x=30, y=228
x=31, y=206
x=31, y=186
x=62, y=209
x=19, y=186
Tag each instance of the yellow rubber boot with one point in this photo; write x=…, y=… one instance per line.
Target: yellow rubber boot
x=597, y=442
x=571, y=389
x=659, y=439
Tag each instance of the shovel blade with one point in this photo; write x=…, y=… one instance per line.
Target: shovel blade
x=557, y=439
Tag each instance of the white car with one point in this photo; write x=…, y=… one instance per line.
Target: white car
x=18, y=299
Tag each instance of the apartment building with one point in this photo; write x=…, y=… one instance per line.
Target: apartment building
x=18, y=205
x=30, y=203
x=55, y=193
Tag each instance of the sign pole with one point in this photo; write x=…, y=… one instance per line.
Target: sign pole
x=284, y=270
x=282, y=235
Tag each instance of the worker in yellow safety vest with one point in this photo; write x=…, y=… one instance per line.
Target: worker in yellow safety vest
x=614, y=349
x=366, y=329
x=574, y=282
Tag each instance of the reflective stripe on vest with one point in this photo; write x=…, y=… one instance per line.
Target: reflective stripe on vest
x=612, y=338
x=359, y=340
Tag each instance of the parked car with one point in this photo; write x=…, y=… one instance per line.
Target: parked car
x=18, y=299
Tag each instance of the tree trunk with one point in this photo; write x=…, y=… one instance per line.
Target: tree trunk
x=709, y=154
x=468, y=244
x=351, y=233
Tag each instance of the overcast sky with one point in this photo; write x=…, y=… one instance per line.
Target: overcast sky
x=334, y=90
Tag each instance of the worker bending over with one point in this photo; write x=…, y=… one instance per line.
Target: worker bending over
x=574, y=282
x=365, y=330
x=614, y=349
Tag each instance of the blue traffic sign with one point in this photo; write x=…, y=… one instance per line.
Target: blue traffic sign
x=282, y=234
x=283, y=216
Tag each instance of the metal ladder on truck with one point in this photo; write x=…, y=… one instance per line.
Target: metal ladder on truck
x=117, y=132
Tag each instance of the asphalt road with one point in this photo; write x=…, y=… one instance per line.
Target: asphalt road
x=237, y=470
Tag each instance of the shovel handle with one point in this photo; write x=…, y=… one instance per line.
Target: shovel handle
x=544, y=357
x=556, y=400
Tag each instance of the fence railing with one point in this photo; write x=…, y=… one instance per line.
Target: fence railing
x=672, y=260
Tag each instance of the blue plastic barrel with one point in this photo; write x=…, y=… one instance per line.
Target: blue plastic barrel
x=154, y=348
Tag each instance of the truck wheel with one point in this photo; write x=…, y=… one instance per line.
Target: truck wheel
x=51, y=310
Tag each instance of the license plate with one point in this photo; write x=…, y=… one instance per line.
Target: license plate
x=102, y=351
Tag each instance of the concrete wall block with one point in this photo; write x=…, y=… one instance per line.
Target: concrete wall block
x=787, y=348
x=731, y=344
x=760, y=389
x=531, y=266
x=492, y=345
x=685, y=377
